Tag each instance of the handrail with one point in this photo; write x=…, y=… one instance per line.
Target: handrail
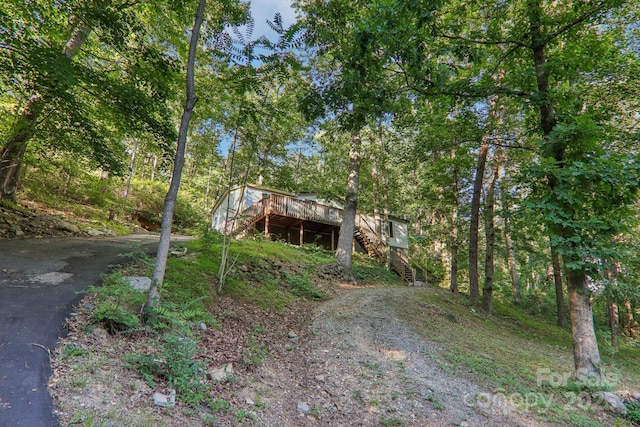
x=278, y=204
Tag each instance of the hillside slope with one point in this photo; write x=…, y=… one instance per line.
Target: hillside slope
x=369, y=356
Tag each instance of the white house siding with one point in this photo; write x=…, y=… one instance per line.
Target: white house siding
x=400, y=237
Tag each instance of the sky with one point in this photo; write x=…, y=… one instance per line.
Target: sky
x=266, y=9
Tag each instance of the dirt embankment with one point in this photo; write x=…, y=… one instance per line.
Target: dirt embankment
x=353, y=360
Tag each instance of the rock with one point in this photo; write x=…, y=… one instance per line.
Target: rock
x=94, y=233
x=165, y=401
x=636, y=395
x=67, y=226
x=139, y=283
x=292, y=334
x=303, y=408
x=178, y=252
x=221, y=374
x=320, y=378
x=243, y=268
x=202, y=326
x=614, y=401
x=250, y=402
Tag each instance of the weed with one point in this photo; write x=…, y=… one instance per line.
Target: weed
x=242, y=414
x=633, y=411
x=302, y=287
x=392, y=422
x=254, y=352
x=316, y=411
x=173, y=361
x=218, y=405
x=374, y=366
x=209, y=420
x=71, y=350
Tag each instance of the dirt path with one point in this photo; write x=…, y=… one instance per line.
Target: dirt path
x=360, y=363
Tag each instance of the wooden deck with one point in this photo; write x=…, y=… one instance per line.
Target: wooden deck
x=296, y=220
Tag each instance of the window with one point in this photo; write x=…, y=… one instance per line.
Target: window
x=391, y=229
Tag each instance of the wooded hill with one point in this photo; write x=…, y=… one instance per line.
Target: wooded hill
x=506, y=132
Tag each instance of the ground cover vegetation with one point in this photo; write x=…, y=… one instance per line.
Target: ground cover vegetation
x=212, y=347
x=506, y=132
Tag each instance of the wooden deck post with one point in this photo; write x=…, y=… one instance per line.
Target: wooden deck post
x=266, y=227
x=333, y=238
x=301, y=233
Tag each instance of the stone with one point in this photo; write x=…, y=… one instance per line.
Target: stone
x=202, y=326
x=165, y=401
x=614, y=401
x=636, y=395
x=292, y=334
x=94, y=233
x=221, y=374
x=178, y=252
x=139, y=283
x=303, y=408
x=67, y=226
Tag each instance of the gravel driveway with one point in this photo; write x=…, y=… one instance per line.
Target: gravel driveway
x=361, y=364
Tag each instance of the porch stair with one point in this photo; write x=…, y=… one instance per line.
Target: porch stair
x=369, y=239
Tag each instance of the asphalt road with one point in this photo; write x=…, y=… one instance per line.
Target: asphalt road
x=39, y=284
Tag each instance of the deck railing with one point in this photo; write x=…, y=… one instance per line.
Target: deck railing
x=276, y=204
x=307, y=210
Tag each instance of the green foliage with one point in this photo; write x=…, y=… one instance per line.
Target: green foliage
x=392, y=422
x=302, y=287
x=148, y=199
x=255, y=351
x=116, y=318
x=633, y=411
x=174, y=361
x=367, y=270
x=592, y=202
x=71, y=350
x=117, y=304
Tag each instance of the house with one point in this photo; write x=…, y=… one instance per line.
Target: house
x=302, y=218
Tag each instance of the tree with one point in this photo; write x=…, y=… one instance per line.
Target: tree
x=170, y=200
x=64, y=89
x=222, y=14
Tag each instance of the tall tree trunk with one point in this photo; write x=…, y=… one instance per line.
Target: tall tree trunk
x=561, y=310
x=453, y=250
x=490, y=236
x=511, y=263
x=628, y=319
x=474, y=280
x=377, y=218
x=170, y=200
x=614, y=322
x=611, y=274
x=585, y=345
x=345, y=239
x=510, y=251
x=24, y=127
